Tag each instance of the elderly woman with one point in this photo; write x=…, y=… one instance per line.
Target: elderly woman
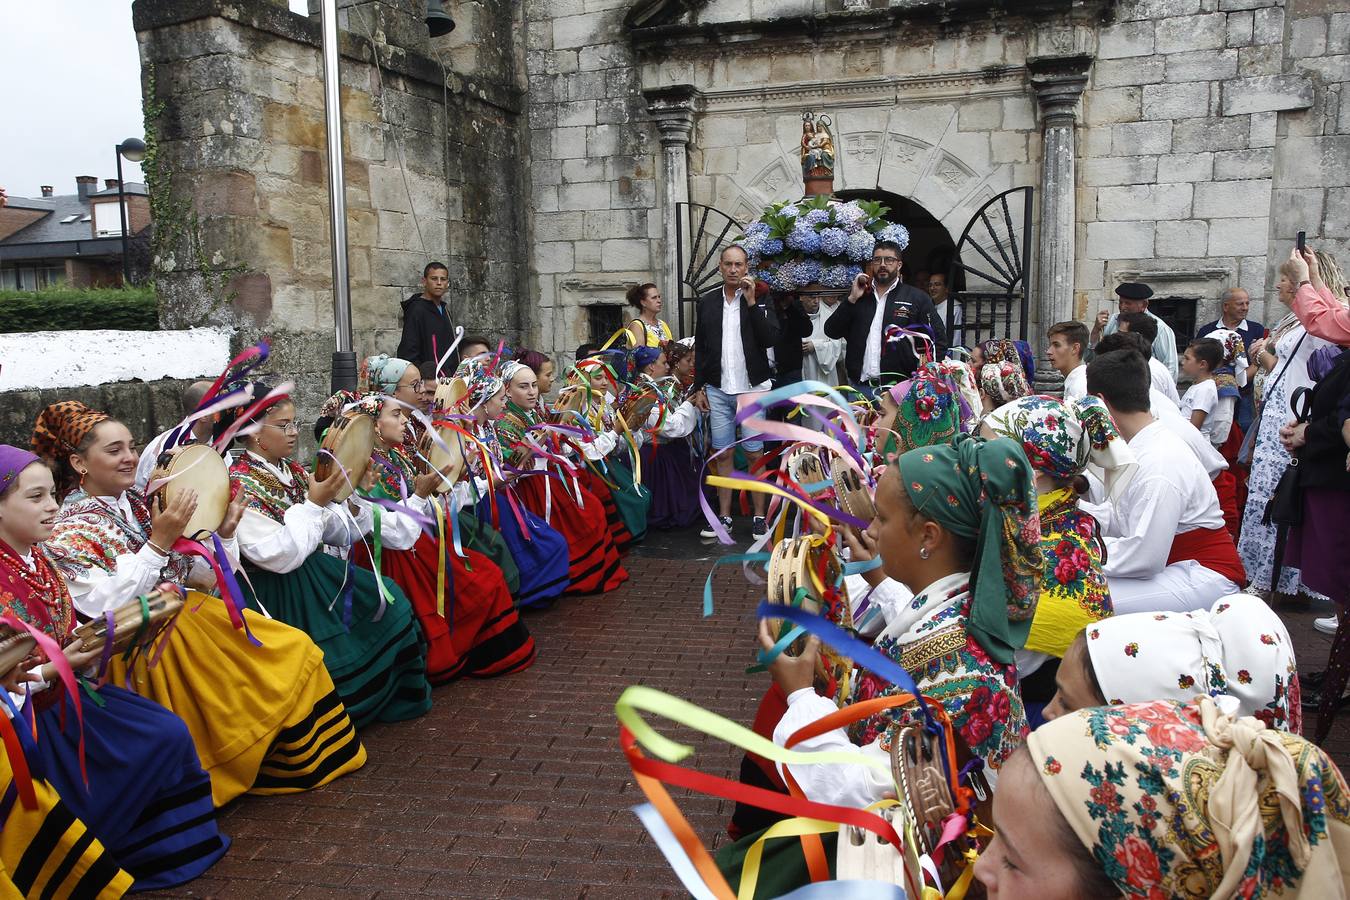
x=1165, y=799
x=1286, y=369
x=1061, y=441
x=1238, y=648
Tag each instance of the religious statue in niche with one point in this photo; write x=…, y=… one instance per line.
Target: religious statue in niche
x=817, y=147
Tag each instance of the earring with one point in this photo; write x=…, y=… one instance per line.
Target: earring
x=923, y=553
x=82, y=474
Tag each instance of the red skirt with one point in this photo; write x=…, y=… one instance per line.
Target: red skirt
x=481, y=634
x=594, y=565
x=1225, y=485
x=618, y=530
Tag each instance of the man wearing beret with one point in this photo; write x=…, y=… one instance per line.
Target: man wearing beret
x=1133, y=297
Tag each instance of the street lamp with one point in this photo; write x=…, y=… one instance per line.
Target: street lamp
x=134, y=151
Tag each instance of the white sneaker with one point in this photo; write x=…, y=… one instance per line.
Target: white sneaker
x=708, y=531
x=1326, y=624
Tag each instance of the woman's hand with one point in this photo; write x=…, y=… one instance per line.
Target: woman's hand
x=166, y=526
x=322, y=493
x=791, y=673
x=233, y=513
x=1294, y=435
x=78, y=658
x=861, y=547
x=1300, y=266
x=14, y=680
x=427, y=482
x=1314, y=270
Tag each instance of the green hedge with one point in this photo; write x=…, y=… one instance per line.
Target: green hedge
x=68, y=309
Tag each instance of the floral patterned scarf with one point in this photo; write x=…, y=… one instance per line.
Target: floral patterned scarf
x=1061, y=439
x=983, y=490
x=1074, y=591
x=1238, y=647
x=91, y=533
x=263, y=491
x=1180, y=800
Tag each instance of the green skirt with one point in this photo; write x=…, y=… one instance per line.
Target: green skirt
x=633, y=500
x=379, y=668
x=477, y=535
x=782, y=868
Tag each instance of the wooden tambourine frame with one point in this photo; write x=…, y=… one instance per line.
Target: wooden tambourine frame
x=350, y=441
x=792, y=568
x=200, y=468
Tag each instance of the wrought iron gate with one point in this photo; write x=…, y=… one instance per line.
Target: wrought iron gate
x=701, y=233
x=989, y=275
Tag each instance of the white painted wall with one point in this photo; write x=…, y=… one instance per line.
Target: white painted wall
x=59, y=359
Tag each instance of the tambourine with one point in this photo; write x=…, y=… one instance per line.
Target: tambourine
x=15, y=646
x=804, y=467
x=575, y=398
x=637, y=405
x=449, y=391
x=448, y=460
x=133, y=623
x=919, y=765
x=861, y=855
x=850, y=492
x=349, y=442
x=200, y=468
x=795, y=566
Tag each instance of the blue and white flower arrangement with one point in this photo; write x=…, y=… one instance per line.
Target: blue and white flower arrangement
x=817, y=240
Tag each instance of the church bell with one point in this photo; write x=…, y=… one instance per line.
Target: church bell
x=438, y=21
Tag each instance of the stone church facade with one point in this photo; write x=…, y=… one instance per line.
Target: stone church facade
x=543, y=148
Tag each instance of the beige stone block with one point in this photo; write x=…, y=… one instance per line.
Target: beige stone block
x=1103, y=107
x=625, y=255
x=1089, y=275
x=1267, y=59
x=1139, y=202
x=1019, y=114
x=1183, y=239
x=569, y=143
x=1117, y=170
x=1202, y=65
x=721, y=131
x=1183, y=34
x=362, y=227
x=719, y=161
x=584, y=196
x=1125, y=39
x=604, y=140
x=1135, y=70
x=1232, y=199
x=587, y=256
x=293, y=125
x=553, y=256
x=1186, y=167
x=576, y=113
x=1231, y=165
x=581, y=170
x=1211, y=133
x=1008, y=147
x=586, y=29
x=1141, y=138
x=1295, y=210
x=1120, y=240
x=981, y=115
x=1238, y=236
x=1176, y=101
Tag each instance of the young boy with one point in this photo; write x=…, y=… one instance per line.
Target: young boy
x=1202, y=404
x=1068, y=340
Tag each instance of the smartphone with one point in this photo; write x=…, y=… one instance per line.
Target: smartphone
x=1302, y=241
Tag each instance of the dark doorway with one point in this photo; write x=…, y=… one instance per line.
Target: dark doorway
x=1179, y=314
x=930, y=244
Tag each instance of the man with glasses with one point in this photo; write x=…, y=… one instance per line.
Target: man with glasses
x=733, y=334
x=877, y=354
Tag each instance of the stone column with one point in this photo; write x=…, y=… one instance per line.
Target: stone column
x=1058, y=83
x=673, y=109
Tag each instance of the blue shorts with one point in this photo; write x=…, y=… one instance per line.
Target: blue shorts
x=722, y=420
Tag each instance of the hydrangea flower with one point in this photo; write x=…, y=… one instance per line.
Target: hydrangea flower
x=790, y=210
x=860, y=246
x=850, y=217
x=757, y=229
x=784, y=277
x=772, y=247
x=896, y=233
x=807, y=271
x=804, y=238
x=816, y=217
x=835, y=276
x=833, y=241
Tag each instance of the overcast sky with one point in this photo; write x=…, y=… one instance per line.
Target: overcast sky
x=72, y=92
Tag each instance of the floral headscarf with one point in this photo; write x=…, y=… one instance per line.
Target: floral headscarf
x=1018, y=353
x=382, y=373
x=368, y=403
x=510, y=369
x=61, y=427
x=1231, y=375
x=1180, y=800
x=1061, y=440
x=932, y=409
x=983, y=490
x=1239, y=647
x=482, y=381
x=1003, y=382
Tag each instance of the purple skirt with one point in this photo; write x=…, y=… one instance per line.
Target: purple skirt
x=670, y=472
x=1317, y=547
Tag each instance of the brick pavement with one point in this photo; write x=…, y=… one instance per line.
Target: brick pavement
x=515, y=787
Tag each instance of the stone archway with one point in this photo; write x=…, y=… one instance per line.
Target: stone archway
x=931, y=245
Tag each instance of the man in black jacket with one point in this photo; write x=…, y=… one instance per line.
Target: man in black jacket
x=874, y=359
x=733, y=334
x=427, y=333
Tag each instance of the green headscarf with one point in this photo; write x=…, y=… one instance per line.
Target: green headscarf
x=984, y=490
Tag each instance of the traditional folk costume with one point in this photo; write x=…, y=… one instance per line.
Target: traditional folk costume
x=652, y=335
x=540, y=552
x=1167, y=546
x=266, y=719
x=1061, y=440
x=593, y=560
x=370, y=641
x=1182, y=800
x=611, y=450
x=465, y=609
x=958, y=635
x=671, y=463
x=45, y=851
x=146, y=798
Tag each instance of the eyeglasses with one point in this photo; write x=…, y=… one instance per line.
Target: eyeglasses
x=885, y=260
x=293, y=428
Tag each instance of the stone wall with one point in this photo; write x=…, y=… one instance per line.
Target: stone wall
x=1213, y=131
x=594, y=219
x=432, y=160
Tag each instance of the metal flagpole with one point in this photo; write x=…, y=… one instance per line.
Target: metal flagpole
x=344, y=359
